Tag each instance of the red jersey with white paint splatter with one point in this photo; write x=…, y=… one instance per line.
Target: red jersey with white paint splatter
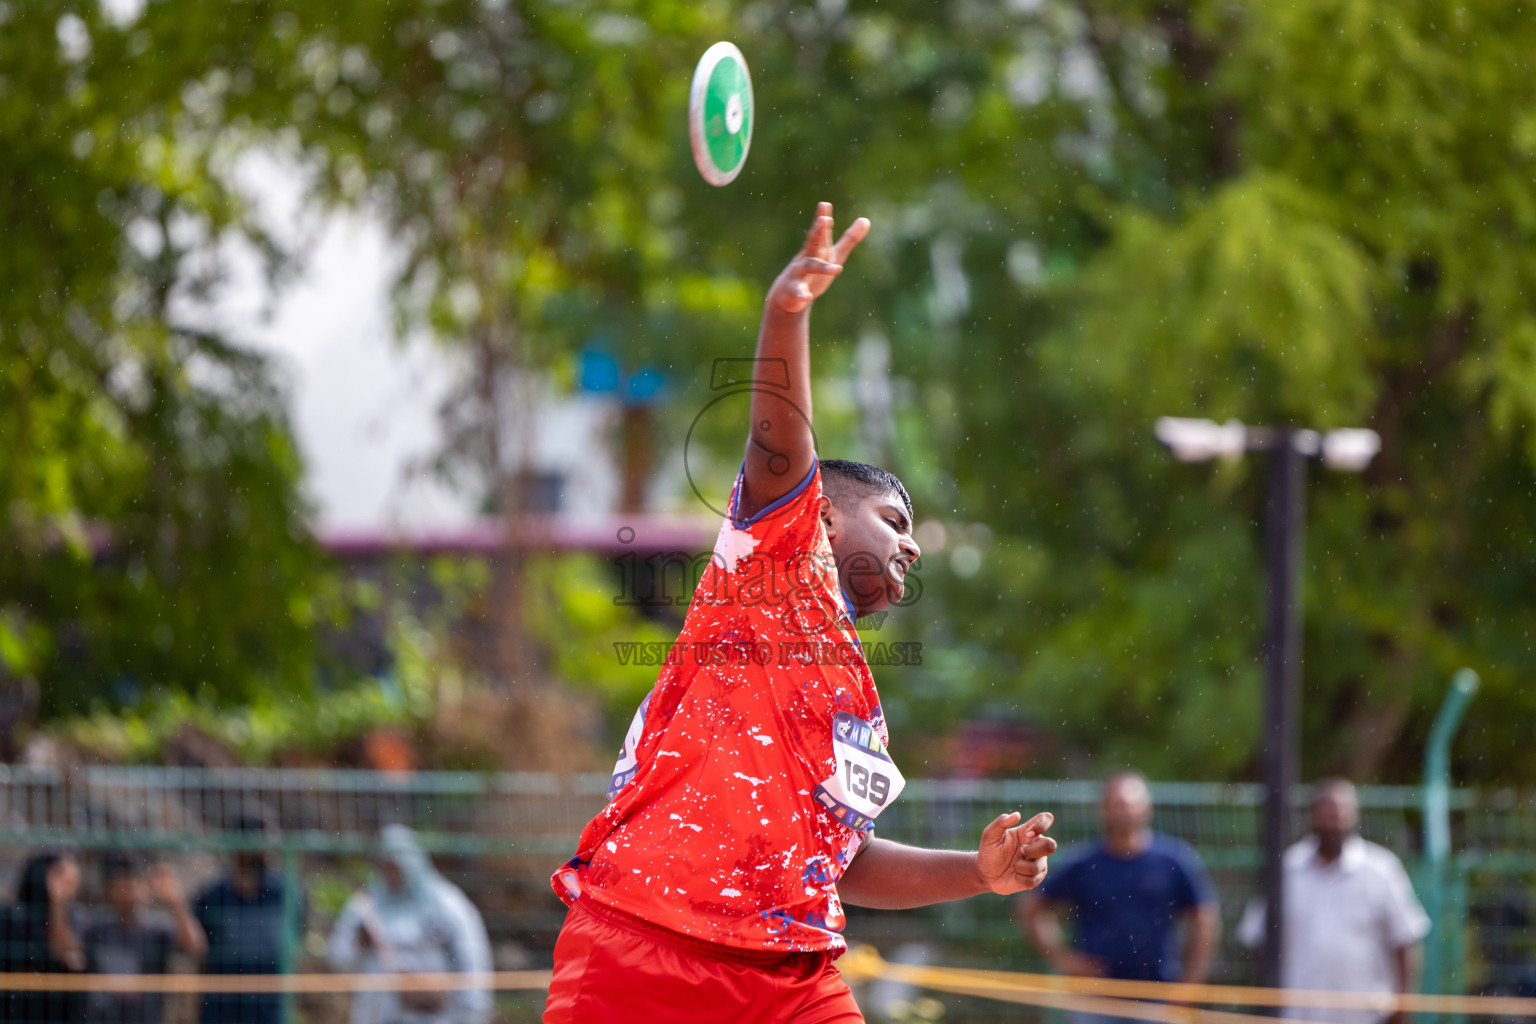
x=757, y=762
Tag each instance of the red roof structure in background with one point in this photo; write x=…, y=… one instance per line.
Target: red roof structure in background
x=606, y=535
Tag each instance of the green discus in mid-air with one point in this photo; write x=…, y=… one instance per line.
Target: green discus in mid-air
x=720, y=114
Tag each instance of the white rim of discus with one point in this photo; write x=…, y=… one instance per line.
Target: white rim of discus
x=720, y=120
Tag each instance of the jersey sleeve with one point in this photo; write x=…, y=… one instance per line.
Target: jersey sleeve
x=789, y=525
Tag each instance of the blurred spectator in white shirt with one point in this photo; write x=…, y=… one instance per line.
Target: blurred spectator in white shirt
x=1352, y=922
x=411, y=919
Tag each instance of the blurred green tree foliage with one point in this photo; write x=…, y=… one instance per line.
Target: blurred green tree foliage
x=153, y=535
x=1340, y=233
x=1086, y=215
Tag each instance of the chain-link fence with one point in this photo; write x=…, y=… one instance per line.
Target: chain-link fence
x=311, y=833
x=498, y=836
x=1222, y=822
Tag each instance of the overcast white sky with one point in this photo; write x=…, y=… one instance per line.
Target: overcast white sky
x=363, y=403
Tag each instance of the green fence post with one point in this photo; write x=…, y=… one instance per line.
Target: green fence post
x=1437, y=833
x=1454, y=949
x=293, y=904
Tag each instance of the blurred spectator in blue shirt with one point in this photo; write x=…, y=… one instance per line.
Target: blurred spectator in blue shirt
x=1128, y=893
x=242, y=915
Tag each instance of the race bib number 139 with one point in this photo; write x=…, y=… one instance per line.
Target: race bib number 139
x=866, y=779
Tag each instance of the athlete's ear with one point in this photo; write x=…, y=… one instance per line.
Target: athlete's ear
x=829, y=516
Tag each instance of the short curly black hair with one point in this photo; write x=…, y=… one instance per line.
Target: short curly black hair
x=841, y=477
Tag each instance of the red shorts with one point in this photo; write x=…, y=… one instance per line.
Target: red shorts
x=610, y=966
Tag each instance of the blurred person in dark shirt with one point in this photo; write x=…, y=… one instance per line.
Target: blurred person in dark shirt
x=242, y=916
x=1129, y=893
x=37, y=934
x=130, y=939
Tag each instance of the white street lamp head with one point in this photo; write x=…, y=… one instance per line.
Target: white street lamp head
x=1198, y=440
x=1350, y=450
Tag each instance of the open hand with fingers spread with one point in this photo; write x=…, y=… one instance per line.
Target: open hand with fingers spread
x=810, y=273
x=1011, y=857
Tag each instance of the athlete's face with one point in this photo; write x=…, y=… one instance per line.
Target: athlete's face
x=872, y=543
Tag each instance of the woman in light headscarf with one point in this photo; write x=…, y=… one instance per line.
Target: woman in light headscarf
x=412, y=919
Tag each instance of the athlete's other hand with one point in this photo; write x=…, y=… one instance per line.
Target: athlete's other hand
x=810, y=273
x=1011, y=857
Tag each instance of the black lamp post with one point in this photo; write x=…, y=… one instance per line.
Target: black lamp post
x=1284, y=530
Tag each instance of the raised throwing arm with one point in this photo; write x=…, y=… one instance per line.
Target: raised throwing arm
x=779, y=444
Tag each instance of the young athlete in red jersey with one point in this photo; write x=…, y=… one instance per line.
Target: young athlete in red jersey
x=742, y=808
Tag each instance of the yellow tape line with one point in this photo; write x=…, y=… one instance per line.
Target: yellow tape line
x=1158, y=1002
x=442, y=981
x=1158, y=1013
x=865, y=962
